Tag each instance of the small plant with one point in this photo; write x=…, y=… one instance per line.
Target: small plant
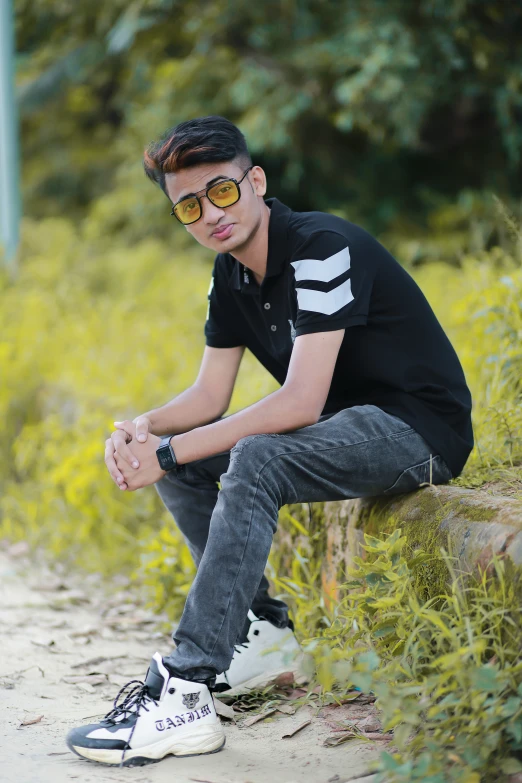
x=447, y=672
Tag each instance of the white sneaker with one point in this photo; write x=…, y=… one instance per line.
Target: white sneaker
x=163, y=715
x=266, y=653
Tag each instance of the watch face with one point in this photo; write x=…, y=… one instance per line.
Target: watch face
x=165, y=458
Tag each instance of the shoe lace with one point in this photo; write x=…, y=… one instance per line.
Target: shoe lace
x=134, y=695
x=240, y=644
x=132, y=701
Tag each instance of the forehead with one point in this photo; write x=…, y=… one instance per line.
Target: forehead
x=197, y=178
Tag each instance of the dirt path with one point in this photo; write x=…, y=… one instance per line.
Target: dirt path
x=66, y=650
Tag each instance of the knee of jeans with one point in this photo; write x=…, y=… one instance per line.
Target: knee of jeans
x=250, y=449
x=254, y=443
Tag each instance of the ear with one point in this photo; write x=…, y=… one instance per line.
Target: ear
x=258, y=179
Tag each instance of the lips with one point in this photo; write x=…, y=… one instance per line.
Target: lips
x=223, y=232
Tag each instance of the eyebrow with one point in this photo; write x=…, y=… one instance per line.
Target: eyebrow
x=209, y=183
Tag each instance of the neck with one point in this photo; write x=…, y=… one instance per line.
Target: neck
x=254, y=253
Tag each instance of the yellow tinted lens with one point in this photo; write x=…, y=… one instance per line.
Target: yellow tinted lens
x=224, y=193
x=188, y=210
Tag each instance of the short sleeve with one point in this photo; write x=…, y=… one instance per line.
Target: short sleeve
x=332, y=286
x=222, y=312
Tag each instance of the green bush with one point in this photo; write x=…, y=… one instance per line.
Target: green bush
x=95, y=330
x=447, y=672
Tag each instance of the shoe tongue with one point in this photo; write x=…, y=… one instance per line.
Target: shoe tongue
x=157, y=677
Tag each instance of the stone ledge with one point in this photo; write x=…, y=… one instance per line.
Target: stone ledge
x=469, y=524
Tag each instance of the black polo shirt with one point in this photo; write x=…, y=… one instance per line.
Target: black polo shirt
x=325, y=273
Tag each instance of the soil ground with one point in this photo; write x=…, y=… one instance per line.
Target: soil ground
x=68, y=646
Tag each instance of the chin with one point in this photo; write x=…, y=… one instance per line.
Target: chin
x=225, y=246
x=237, y=242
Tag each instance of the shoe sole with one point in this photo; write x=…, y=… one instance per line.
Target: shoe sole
x=200, y=743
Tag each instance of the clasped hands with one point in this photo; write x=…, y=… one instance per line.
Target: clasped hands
x=136, y=465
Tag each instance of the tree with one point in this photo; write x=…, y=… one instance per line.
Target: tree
x=373, y=108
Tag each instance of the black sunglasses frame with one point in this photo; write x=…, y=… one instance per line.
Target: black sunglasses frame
x=205, y=193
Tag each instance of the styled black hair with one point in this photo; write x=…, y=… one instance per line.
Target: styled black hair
x=211, y=139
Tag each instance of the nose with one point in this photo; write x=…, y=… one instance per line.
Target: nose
x=211, y=213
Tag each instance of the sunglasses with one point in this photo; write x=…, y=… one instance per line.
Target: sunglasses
x=222, y=194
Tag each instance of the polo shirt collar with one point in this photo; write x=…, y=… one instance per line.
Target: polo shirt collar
x=277, y=244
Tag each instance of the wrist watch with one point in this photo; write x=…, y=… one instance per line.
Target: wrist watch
x=165, y=453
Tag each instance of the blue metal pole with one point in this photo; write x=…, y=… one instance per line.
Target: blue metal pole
x=9, y=163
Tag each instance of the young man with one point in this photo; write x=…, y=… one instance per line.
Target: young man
x=373, y=400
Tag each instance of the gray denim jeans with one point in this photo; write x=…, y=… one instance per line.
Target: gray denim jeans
x=358, y=452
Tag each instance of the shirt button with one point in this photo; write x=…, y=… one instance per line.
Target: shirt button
x=267, y=305
x=273, y=327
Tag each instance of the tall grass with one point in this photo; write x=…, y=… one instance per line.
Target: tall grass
x=447, y=672
x=95, y=330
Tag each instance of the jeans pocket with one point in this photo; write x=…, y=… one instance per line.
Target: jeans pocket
x=434, y=468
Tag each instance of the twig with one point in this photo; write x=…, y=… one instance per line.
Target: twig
x=361, y=775
x=97, y=660
x=22, y=671
x=294, y=731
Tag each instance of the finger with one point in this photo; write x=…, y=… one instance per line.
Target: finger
x=123, y=484
x=127, y=426
x=121, y=448
x=120, y=438
x=124, y=469
x=110, y=462
x=142, y=428
x=127, y=457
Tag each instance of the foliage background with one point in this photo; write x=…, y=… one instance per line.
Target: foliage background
x=381, y=109
x=405, y=118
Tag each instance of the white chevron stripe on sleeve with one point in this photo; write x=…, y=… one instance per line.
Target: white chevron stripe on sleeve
x=325, y=302
x=311, y=269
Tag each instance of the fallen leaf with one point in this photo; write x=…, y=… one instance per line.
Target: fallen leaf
x=294, y=731
x=69, y=597
x=43, y=642
x=58, y=624
x=224, y=710
x=85, y=686
x=52, y=585
x=286, y=678
x=331, y=742
x=202, y=780
x=369, y=724
x=19, y=549
x=88, y=630
x=255, y=718
x=91, y=679
x=286, y=708
x=350, y=696
x=344, y=726
x=365, y=698
x=123, y=622
x=30, y=721
x=99, y=659
x=297, y=693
